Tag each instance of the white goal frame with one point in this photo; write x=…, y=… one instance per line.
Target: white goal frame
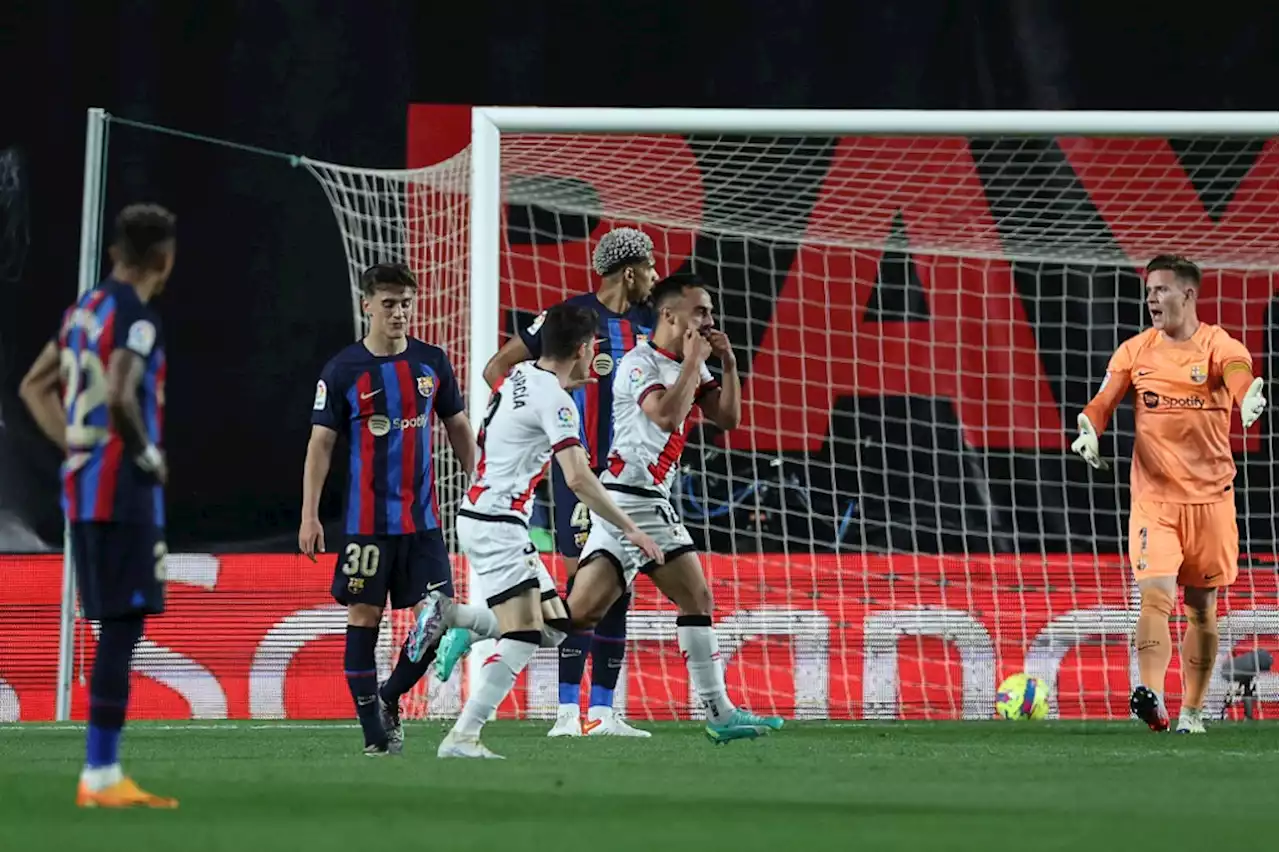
x=490, y=123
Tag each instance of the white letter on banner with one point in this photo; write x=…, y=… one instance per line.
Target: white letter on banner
x=1065, y=632
x=881, y=632
x=277, y=649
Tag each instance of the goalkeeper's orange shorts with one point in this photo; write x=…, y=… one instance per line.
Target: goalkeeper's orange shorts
x=1198, y=543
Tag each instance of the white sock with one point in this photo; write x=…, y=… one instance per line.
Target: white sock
x=701, y=652
x=478, y=619
x=99, y=778
x=497, y=677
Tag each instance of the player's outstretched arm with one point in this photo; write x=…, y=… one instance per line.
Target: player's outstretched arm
x=314, y=472
x=1246, y=390
x=39, y=392
x=582, y=482
x=1097, y=414
x=463, y=440
x=512, y=352
x=723, y=405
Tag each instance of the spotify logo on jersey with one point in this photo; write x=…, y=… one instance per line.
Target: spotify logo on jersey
x=602, y=364
x=379, y=425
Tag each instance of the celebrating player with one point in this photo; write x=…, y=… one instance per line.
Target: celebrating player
x=110, y=356
x=381, y=392
x=1182, y=524
x=624, y=260
x=654, y=391
x=530, y=418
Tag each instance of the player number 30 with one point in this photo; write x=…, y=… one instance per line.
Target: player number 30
x=362, y=560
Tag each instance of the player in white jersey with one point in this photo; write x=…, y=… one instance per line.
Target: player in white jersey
x=655, y=388
x=530, y=418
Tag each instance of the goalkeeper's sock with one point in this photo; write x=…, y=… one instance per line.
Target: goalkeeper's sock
x=1199, y=650
x=1154, y=641
x=497, y=676
x=701, y=652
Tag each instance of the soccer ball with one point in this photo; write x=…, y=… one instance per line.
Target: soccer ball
x=1022, y=696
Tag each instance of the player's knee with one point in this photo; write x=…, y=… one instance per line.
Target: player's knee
x=364, y=615
x=1157, y=601
x=696, y=601
x=1203, y=617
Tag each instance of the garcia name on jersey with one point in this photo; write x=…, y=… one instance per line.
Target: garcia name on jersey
x=529, y=419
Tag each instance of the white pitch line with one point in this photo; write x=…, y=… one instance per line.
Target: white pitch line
x=143, y=726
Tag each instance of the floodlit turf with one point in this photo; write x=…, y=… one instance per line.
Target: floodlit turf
x=883, y=786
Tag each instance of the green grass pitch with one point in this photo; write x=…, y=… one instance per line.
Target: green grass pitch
x=871, y=786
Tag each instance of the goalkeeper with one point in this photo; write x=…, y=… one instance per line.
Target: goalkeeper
x=1182, y=523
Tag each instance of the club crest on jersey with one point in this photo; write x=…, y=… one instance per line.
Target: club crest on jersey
x=602, y=364
x=426, y=386
x=1198, y=374
x=565, y=416
x=322, y=396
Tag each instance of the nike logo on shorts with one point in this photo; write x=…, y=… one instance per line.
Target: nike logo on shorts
x=431, y=587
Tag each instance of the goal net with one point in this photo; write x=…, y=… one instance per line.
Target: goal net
x=898, y=524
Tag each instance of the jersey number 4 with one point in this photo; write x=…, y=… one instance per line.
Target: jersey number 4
x=86, y=390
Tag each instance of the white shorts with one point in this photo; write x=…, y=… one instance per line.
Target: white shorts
x=504, y=559
x=653, y=515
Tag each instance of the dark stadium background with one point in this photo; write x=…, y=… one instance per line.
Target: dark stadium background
x=334, y=81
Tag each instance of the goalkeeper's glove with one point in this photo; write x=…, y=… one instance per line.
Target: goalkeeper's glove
x=1086, y=446
x=1252, y=404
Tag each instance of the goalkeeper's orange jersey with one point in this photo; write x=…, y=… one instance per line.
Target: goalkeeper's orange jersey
x=1183, y=392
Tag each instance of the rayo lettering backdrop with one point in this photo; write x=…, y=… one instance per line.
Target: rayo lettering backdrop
x=808, y=637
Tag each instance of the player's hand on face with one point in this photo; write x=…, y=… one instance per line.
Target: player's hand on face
x=722, y=348
x=647, y=545
x=311, y=538
x=696, y=347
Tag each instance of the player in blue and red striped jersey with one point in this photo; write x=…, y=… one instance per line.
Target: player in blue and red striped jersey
x=98, y=392
x=624, y=260
x=382, y=393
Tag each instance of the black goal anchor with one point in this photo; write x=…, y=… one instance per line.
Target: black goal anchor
x=1241, y=675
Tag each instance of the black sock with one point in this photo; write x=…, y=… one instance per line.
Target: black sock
x=109, y=689
x=361, y=667
x=607, y=650
x=406, y=674
x=573, y=659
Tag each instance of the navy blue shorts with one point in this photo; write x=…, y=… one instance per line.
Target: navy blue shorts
x=119, y=568
x=572, y=518
x=406, y=567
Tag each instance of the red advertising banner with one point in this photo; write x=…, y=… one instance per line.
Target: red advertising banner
x=846, y=637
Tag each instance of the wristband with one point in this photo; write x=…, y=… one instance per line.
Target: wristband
x=150, y=459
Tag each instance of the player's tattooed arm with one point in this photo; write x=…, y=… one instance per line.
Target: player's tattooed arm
x=314, y=472
x=512, y=352
x=723, y=405
x=463, y=440
x=39, y=392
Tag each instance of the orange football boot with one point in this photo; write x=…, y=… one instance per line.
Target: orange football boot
x=122, y=794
